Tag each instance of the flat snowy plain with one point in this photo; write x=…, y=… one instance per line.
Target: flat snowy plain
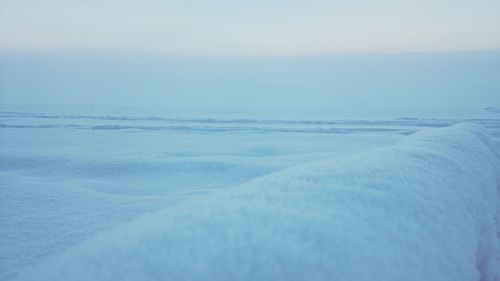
x=91, y=194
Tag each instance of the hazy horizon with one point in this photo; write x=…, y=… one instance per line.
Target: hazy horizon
x=445, y=80
x=258, y=54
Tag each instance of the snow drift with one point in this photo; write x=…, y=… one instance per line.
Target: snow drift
x=425, y=209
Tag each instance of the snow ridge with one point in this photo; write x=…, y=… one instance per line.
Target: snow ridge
x=425, y=209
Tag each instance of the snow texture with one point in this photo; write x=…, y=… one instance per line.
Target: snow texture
x=424, y=209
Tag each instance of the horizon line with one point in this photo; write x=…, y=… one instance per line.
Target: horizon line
x=232, y=55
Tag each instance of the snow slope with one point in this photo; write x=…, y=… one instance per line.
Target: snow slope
x=60, y=185
x=424, y=209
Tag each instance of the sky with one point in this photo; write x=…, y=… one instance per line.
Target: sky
x=262, y=53
x=258, y=27
x=384, y=81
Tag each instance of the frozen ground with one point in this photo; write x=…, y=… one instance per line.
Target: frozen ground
x=79, y=184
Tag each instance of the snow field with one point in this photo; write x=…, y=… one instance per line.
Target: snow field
x=424, y=209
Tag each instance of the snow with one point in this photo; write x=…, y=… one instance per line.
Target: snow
x=425, y=208
x=60, y=185
x=248, y=167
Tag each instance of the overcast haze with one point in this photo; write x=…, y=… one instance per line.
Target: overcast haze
x=251, y=53
x=275, y=27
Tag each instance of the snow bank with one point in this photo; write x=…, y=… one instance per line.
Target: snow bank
x=425, y=209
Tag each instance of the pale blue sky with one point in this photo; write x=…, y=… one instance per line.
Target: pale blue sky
x=259, y=27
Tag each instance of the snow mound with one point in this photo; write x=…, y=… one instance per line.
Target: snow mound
x=425, y=209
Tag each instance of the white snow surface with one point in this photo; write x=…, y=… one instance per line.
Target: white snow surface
x=426, y=208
